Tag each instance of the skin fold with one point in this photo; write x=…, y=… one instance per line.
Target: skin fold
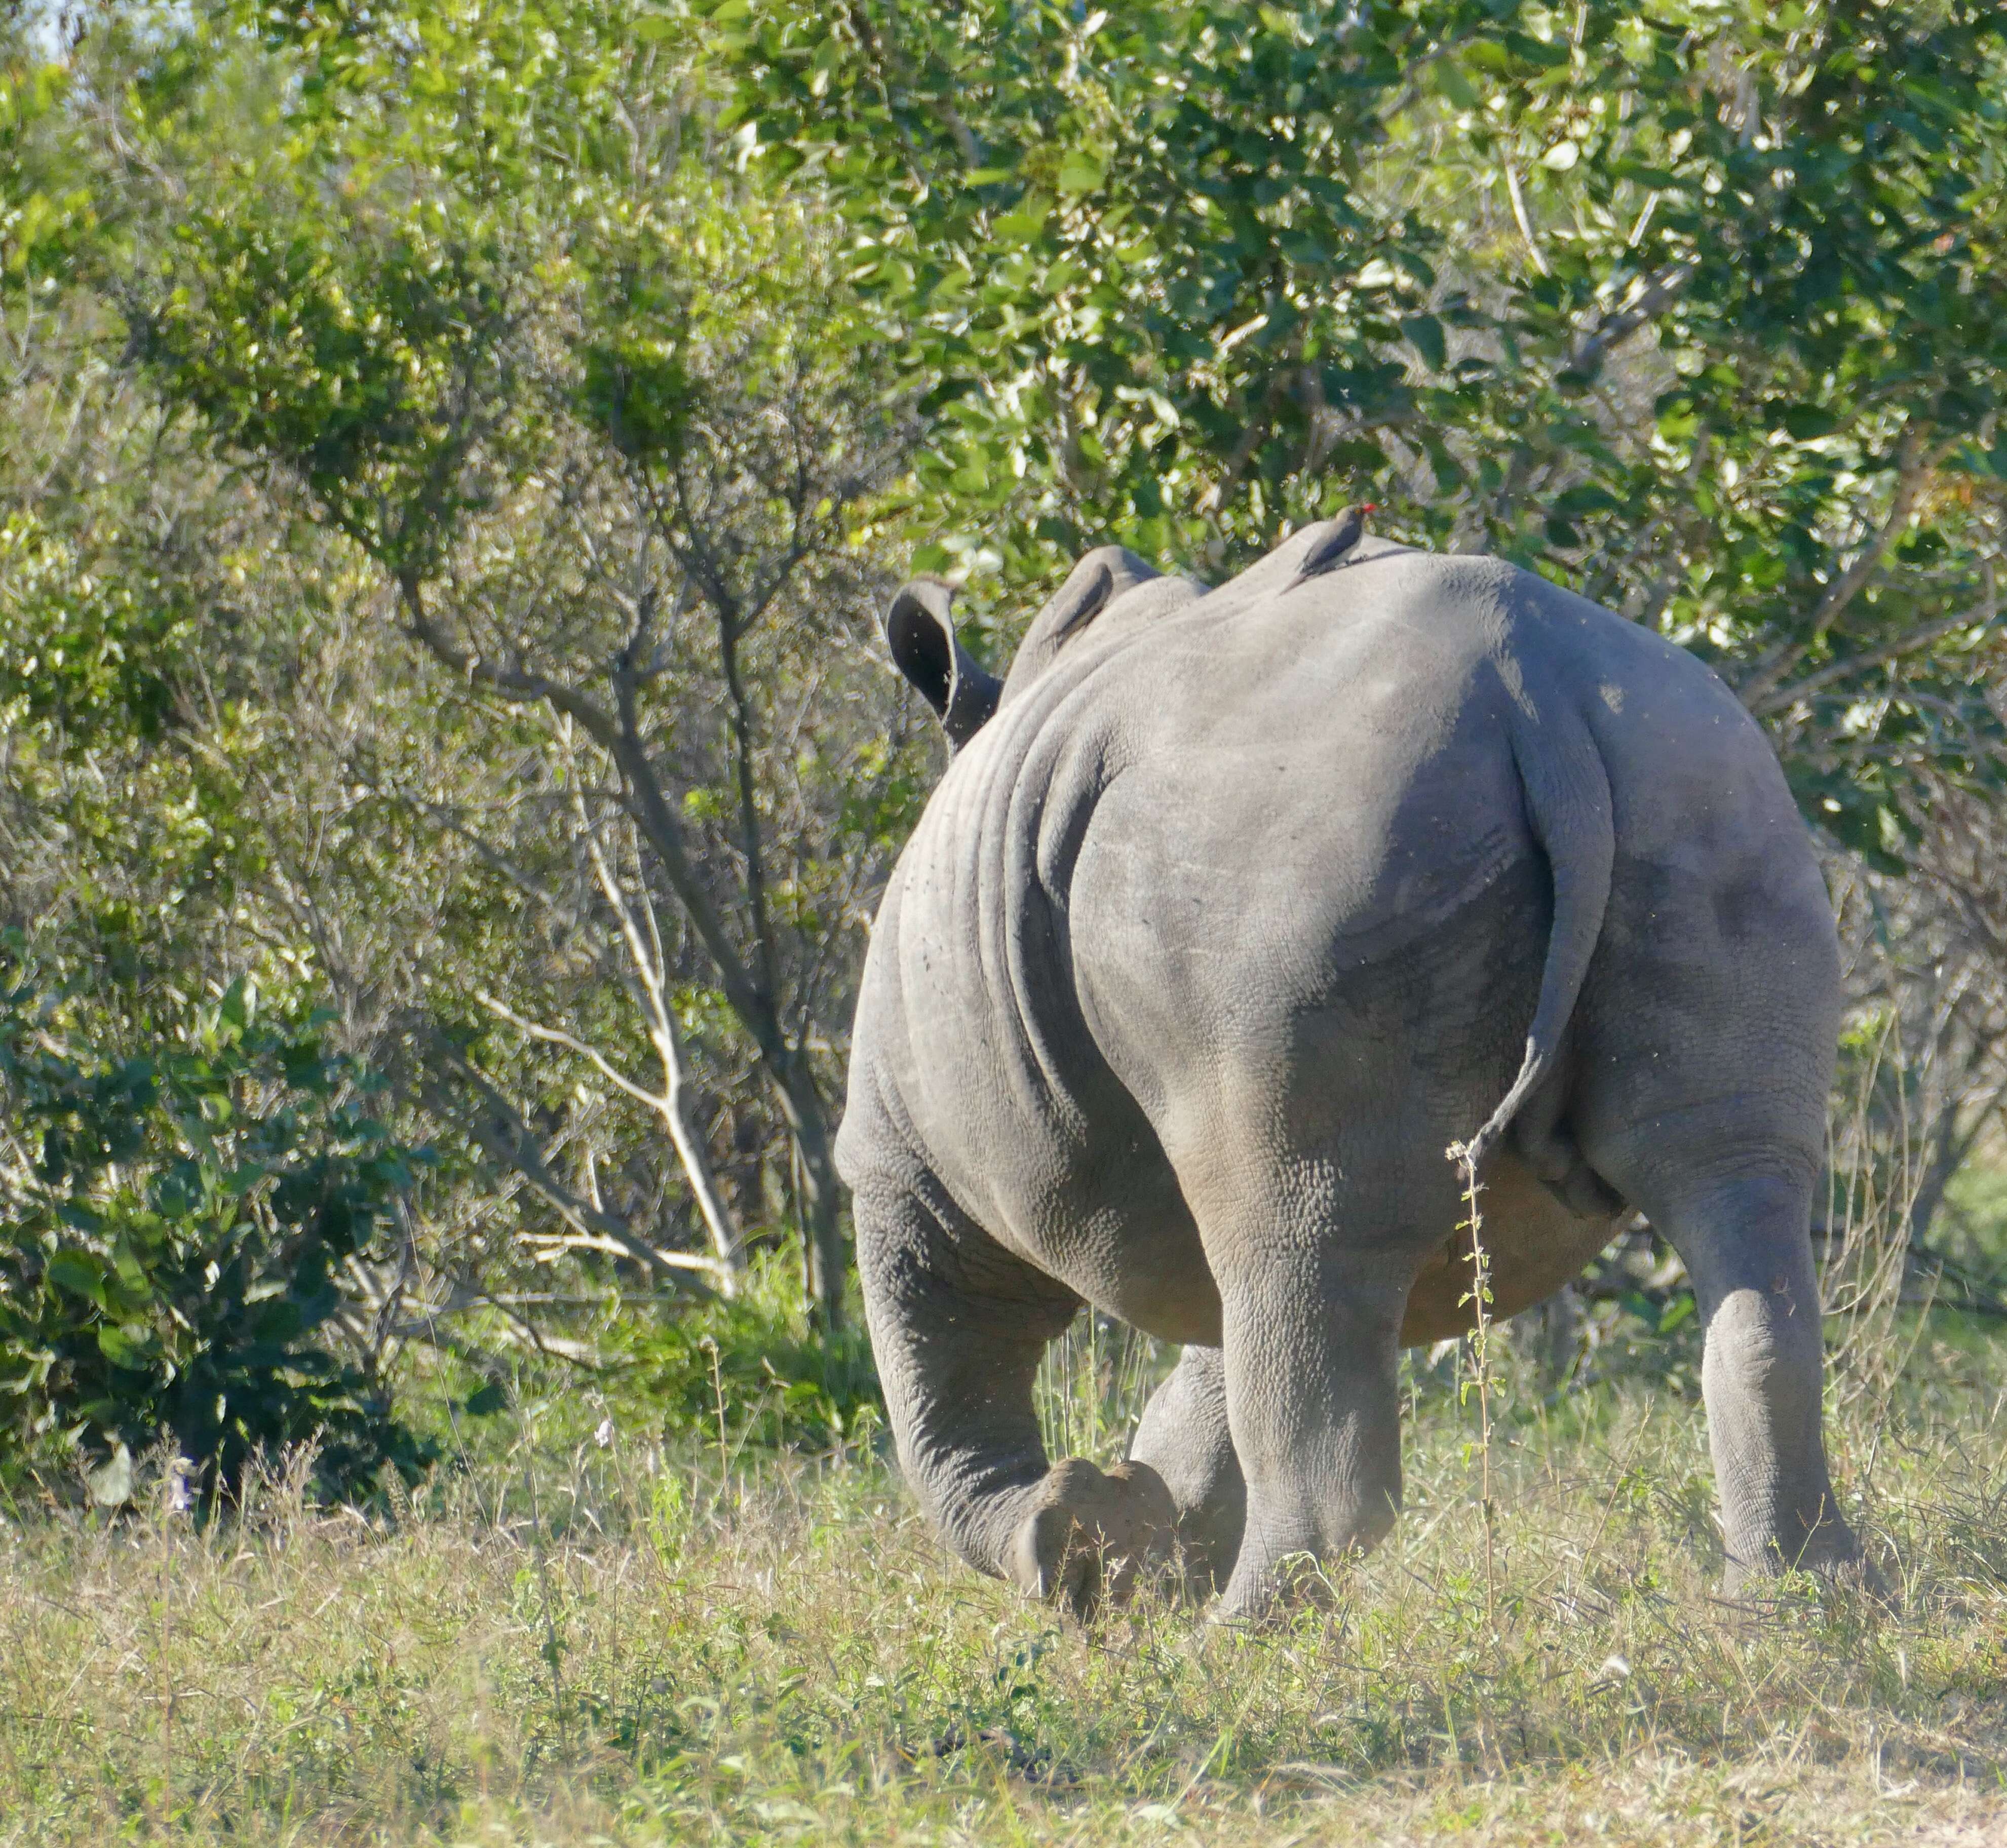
x=1234, y=909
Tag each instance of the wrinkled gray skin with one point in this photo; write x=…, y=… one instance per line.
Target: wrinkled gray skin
x=1242, y=908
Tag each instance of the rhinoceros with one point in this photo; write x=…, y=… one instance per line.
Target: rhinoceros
x=1234, y=909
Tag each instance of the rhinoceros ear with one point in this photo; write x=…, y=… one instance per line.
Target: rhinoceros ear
x=919, y=628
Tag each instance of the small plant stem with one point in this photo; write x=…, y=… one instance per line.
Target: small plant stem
x=167, y=1594
x=718, y=1398
x=1479, y=1296
x=553, y=1650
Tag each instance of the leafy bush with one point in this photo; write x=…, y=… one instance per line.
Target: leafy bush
x=754, y=1359
x=172, y=1221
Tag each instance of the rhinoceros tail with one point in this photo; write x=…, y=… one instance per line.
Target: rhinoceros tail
x=1568, y=806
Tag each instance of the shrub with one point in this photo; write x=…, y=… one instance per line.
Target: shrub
x=780, y=1384
x=173, y=1220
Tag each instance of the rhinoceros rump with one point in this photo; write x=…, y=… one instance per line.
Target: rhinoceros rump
x=1234, y=909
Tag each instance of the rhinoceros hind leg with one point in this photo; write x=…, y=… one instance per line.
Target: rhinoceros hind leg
x=1185, y=1437
x=1312, y=1357
x=1745, y=1240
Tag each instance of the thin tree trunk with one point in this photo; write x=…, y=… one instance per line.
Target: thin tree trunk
x=821, y=1192
x=1951, y=1145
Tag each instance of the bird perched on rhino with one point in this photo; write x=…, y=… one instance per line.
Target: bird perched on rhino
x=1234, y=909
x=1332, y=540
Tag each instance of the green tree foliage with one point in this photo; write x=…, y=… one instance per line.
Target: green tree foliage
x=173, y=1221
x=450, y=457
x=601, y=422
x=1700, y=310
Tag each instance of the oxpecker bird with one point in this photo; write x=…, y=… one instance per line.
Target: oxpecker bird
x=1331, y=541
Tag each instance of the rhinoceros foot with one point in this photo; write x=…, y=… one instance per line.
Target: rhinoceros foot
x=1829, y=1552
x=1090, y=1535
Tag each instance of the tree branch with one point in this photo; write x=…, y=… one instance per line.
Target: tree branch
x=1914, y=466
x=671, y=1104
x=1659, y=294
x=572, y=1043
x=514, y=684
x=1519, y=215
x=751, y=842
x=621, y=740
x=1913, y=643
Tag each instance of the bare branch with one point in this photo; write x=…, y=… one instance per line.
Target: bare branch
x=514, y=684
x=672, y=1106
x=1519, y=215
x=1658, y=293
x=593, y=1241
x=572, y=1043
x=1915, y=642
x=498, y=1130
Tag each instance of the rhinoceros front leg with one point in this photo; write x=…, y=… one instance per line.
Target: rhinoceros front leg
x=1185, y=1437
x=957, y=1325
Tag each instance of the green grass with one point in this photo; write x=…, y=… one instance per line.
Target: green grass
x=567, y=1642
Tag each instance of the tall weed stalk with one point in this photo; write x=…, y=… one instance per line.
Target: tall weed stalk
x=1479, y=1350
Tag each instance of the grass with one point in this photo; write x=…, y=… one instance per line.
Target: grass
x=569, y=1642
